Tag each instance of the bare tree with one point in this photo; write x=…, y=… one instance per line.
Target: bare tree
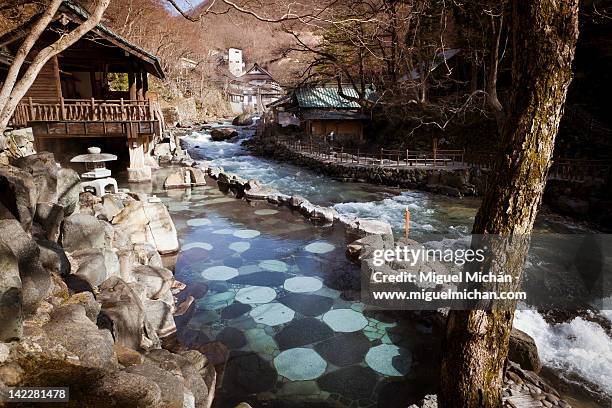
x=15, y=87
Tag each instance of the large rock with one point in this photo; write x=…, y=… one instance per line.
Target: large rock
x=50, y=216
x=222, y=134
x=68, y=190
x=82, y=231
x=71, y=327
x=53, y=258
x=95, y=265
x=185, y=177
x=524, y=351
x=111, y=206
x=35, y=280
x=162, y=149
x=11, y=313
x=171, y=386
x=359, y=228
x=161, y=228
x=157, y=281
x=124, y=314
x=245, y=119
x=18, y=195
x=123, y=389
x=43, y=169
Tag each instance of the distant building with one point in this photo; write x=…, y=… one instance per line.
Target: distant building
x=253, y=91
x=323, y=113
x=235, y=64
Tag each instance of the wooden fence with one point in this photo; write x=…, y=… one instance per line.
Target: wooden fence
x=561, y=169
x=382, y=157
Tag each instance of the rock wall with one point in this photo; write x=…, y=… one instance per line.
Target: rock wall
x=84, y=297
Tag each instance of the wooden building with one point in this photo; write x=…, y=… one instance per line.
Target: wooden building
x=253, y=90
x=95, y=93
x=323, y=113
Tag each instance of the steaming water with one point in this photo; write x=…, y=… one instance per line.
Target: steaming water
x=579, y=347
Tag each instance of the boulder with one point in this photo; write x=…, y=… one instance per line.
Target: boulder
x=11, y=314
x=185, y=177
x=53, y=258
x=160, y=228
x=159, y=314
x=318, y=213
x=524, y=351
x=123, y=389
x=223, y=133
x=296, y=201
x=88, y=301
x=95, y=265
x=157, y=281
x=162, y=149
x=18, y=195
x=71, y=327
x=123, y=313
x=35, y=280
x=111, y=206
x=146, y=254
x=68, y=190
x=245, y=119
x=82, y=231
x=128, y=357
x=171, y=386
x=50, y=217
x=359, y=228
x=43, y=169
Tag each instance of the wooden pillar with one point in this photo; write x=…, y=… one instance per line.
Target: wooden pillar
x=56, y=74
x=139, y=89
x=132, y=85
x=145, y=85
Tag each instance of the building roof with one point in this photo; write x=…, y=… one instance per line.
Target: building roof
x=326, y=97
x=77, y=12
x=319, y=114
x=256, y=73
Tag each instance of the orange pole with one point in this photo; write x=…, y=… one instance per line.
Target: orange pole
x=407, y=222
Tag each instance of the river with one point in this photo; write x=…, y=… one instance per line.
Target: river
x=279, y=290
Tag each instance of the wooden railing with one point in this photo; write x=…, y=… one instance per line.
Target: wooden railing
x=561, y=169
x=382, y=157
x=83, y=110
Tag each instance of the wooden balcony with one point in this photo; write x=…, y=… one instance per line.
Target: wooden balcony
x=56, y=118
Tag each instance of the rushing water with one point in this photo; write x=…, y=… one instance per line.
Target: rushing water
x=276, y=298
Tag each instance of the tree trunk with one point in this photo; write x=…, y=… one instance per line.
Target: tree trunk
x=544, y=39
x=496, y=30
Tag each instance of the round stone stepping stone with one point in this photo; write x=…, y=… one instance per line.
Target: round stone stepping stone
x=221, y=273
x=247, y=234
x=300, y=364
x=232, y=338
x=271, y=279
x=344, y=350
x=345, y=320
x=273, y=265
x=362, y=382
x=198, y=222
x=246, y=374
x=307, y=305
x=302, y=332
x=224, y=231
x=272, y=314
x=389, y=359
x=235, y=310
x=319, y=247
x=202, y=245
x=256, y=294
x=303, y=284
x=239, y=247
x=266, y=212
x=247, y=269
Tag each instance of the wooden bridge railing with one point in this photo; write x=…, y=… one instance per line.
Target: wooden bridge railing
x=580, y=169
x=82, y=110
